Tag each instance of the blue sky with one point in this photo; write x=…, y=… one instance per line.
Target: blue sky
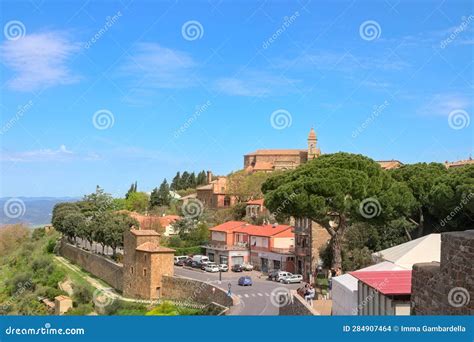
x=108, y=93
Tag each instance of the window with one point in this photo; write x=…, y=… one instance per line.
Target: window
x=131, y=270
x=144, y=272
x=227, y=201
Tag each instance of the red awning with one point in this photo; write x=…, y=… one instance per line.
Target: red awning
x=386, y=282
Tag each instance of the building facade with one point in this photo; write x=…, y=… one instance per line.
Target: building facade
x=288, y=159
x=265, y=247
x=214, y=194
x=309, y=238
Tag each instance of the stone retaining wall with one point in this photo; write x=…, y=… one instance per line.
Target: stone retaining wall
x=446, y=288
x=185, y=289
x=103, y=268
x=296, y=306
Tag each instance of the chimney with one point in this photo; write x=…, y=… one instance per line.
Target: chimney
x=209, y=177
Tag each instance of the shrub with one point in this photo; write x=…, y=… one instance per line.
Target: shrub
x=82, y=294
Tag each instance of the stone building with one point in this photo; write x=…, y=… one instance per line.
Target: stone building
x=309, y=238
x=214, y=193
x=272, y=160
x=145, y=262
x=446, y=287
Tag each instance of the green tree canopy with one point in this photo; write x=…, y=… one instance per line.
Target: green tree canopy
x=337, y=190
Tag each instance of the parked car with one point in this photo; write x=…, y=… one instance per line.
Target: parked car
x=282, y=274
x=245, y=281
x=211, y=268
x=237, y=268
x=188, y=262
x=223, y=267
x=178, y=259
x=200, y=258
x=272, y=274
x=293, y=279
x=247, y=267
x=196, y=264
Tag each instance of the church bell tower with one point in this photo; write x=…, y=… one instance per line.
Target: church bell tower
x=313, y=151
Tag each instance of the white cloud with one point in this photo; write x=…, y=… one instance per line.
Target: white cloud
x=39, y=60
x=256, y=84
x=154, y=66
x=443, y=104
x=61, y=154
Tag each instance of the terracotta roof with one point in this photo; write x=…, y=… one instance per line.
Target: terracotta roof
x=205, y=187
x=168, y=219
x=62, y=297
x=389, y=164
x=153, y=247
x=276, y=152
x=229, y=226
x=289, y=233
x=386, y=282
x=256, y=202
x=144, y=232
x=267, y=230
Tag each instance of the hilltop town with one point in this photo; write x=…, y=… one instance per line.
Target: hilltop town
x=294, y=232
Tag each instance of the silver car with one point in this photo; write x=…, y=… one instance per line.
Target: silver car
x=293, y=279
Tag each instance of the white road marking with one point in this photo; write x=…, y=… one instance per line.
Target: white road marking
x=240, y=296
x=253, y=294
x=246, y=295
x=261, y=295
x=266, y=294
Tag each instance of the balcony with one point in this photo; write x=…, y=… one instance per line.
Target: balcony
x=289, y=250
x=302, y=251
x=222, y=247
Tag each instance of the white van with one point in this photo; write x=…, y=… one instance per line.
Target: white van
x=200, y=258
x=179, y=258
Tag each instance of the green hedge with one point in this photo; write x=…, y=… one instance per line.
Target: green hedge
x=188, y=250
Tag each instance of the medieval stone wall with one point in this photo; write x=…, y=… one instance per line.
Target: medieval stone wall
x=103, y=268
x=446, y=288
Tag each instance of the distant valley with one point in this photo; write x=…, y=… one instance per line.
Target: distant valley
x=33, y=211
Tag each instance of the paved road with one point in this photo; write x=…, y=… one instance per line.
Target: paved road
x=254, y=300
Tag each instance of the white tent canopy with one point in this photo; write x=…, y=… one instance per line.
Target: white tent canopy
x=424, y=249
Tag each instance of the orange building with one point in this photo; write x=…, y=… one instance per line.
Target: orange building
x=266, y=247
x=214, y=194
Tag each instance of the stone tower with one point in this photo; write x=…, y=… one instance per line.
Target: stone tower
x=313, y=150
x=145, y=262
